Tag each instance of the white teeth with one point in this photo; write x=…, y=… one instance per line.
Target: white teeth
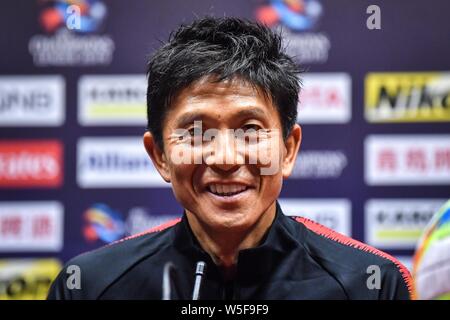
x=226, y=189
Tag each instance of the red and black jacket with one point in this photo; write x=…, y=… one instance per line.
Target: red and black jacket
x=297, y=259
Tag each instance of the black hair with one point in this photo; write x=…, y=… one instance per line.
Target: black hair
x=226, y=48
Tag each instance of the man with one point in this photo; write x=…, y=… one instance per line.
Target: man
x=222, y=106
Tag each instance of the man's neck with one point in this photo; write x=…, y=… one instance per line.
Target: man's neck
x=224, y=246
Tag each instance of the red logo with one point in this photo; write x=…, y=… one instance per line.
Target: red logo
x=36, y=163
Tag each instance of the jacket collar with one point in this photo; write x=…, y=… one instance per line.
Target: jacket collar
x=253, y=262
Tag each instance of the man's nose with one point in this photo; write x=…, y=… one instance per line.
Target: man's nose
x=225, y=154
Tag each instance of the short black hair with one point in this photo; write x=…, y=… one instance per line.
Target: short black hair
x=225, y=48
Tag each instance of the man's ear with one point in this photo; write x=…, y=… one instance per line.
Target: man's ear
x=292, y=145
x=157, y=155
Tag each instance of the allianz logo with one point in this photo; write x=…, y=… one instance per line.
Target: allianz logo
x=320, y=164
x=116, y=161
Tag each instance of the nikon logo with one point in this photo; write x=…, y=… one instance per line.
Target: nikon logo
x=407, y=97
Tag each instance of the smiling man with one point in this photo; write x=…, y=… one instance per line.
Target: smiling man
x=222, y=106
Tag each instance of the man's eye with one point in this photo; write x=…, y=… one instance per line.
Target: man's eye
x=250, y=133
x=195, y=132
x=251, y=126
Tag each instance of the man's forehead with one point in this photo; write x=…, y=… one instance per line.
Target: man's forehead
x=207, y=88
x=234, y=98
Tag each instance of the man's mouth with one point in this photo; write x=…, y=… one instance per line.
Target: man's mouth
x=226, y=190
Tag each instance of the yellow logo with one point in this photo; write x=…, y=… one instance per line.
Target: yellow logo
x=27, y=279
x=407, y=97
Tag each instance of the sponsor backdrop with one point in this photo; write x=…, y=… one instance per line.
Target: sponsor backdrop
x=74, y=175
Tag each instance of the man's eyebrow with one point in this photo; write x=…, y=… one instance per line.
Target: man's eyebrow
x=251, y=113
x=190, y=117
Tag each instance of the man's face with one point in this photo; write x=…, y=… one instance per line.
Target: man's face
x=220, y=181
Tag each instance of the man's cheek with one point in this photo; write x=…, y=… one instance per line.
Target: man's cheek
x=272, y=158
x=181, y=154
x=266, y=155
x=183, y=192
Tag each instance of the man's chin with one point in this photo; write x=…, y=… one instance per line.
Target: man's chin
x=225, y=220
